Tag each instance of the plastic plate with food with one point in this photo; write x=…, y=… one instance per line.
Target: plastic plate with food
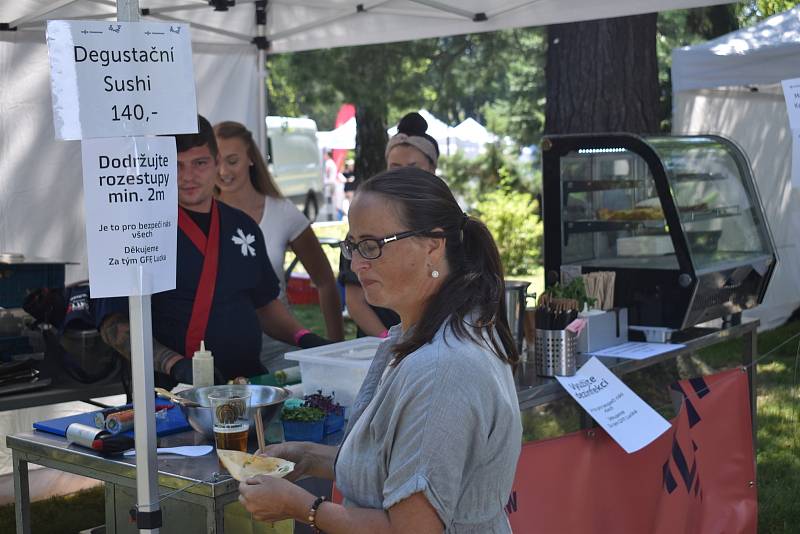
x=242, y=465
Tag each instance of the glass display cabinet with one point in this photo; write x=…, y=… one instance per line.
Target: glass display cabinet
x=677, y=218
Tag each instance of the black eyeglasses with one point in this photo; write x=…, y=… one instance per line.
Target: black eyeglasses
x=371, y=249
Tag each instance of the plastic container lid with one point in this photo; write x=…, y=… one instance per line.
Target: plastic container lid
x=352, y=353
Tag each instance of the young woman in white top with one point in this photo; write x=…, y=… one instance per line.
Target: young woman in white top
x=244, y=183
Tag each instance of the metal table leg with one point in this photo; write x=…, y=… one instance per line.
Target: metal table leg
x=749, y=353
x=215, y=517
x=22, y=495
x=111, y=508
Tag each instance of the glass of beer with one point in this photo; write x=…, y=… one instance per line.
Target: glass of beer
x=231, y=413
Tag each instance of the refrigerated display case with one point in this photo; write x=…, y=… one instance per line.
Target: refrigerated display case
x=677, y=218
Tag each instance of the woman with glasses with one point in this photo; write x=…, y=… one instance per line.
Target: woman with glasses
x=410, y=147
x=434, y=433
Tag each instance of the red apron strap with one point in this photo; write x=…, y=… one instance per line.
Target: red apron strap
x=192, y=231
x=204, y=295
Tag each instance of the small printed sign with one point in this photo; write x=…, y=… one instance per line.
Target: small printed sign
x=791, y=92
x=630, y=421
x=131, y=203
x=116, y=79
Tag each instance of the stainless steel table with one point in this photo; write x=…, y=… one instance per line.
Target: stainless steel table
x=533, y=390
x=194, y=474
x=201, y=494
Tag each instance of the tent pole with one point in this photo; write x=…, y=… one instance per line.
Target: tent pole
x=148, y=513
x=262, y=101
x=39, y=15
x=261, y=77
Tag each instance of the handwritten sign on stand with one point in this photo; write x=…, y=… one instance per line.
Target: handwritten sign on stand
x=791, y=92
x=121, y=78
x=131, y=202
x=630, y=421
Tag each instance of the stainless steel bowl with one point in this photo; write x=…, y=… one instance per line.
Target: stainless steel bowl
x=268, y=398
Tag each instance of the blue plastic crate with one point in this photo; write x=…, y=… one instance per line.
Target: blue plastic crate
x=304, y=431
x=333, y=423
x=19, y=279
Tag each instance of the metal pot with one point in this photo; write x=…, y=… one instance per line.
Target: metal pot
x=268, y=398
x=516, y=292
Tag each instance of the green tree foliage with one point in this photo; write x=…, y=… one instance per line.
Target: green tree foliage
x=752, y=11
x=511, y=217
x=472, y=178
x=371, y=77
x=496, y=78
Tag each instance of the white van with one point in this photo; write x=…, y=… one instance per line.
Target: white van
x=295, y=161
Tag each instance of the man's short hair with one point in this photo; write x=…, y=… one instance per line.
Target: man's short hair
x=204, y=136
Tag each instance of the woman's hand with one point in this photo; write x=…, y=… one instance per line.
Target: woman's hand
x=273, y=499
x=310, y=459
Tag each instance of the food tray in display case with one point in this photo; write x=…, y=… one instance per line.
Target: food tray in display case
x=678, y=218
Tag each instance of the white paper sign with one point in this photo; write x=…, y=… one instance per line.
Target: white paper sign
x=634, y=350
x=116, y=79
x=630, y=421
x=131, y=203
x=791, y=92
x=796, y=159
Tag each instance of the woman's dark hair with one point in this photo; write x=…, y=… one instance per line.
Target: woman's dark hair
x=475, y=283
x=415, y=124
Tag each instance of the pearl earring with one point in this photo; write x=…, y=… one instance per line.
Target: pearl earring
x=434, y=274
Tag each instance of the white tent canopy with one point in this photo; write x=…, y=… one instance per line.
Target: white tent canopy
x=471, y=138
x=472, y=131
x=343, y=137
x=442, y=132
x=731, y=86
x=759, y=55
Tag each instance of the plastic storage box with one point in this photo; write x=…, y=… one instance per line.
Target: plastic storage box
x=337, y=369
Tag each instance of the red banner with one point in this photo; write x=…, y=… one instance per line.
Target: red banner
x=346, y=112
x=696, y=478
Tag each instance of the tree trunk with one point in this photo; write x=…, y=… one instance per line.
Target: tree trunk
x=602, y=76
x=371, y=141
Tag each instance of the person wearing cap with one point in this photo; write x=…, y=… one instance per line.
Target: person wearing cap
x=410, y=147
x=226, y=291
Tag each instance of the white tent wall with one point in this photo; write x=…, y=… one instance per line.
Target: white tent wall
x=41, y=185
x=41, y=192
x=757, y=122
x=730, y=86
x=41, y=200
